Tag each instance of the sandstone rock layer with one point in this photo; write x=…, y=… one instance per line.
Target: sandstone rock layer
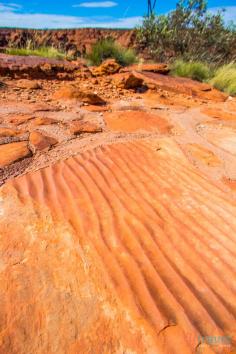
x=125, y=248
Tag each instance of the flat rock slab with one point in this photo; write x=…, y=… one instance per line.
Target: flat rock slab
x=131, y=121
x=13, y=152
x=35, y=67
x=124, y=246
x=183, y=86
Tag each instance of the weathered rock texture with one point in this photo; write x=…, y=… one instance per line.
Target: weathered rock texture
x=117, y=222
x=123, y=247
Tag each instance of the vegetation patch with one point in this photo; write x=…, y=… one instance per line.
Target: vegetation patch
x=195, y=70
x=189, y=32
x=221, y=77
x=108, y=48
x=46, y=52
x=224, y=79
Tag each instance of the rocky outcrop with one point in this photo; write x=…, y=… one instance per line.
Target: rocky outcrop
x=31, y=67
x=78, y=41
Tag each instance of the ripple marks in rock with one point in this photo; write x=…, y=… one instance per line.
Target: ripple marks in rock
x=162, y=235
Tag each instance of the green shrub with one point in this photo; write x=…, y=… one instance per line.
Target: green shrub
x=195, y=70
x=108, y=48
x=189, y=32
x=225, y=79
x=47, y=52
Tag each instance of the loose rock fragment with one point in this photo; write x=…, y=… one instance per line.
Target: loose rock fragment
x=13, y=152
x=39, y=141
x=73, y=92
x=109, y=66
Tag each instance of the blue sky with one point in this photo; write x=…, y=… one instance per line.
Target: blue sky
x=88, y=13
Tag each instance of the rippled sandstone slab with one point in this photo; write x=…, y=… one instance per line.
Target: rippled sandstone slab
x=122, y=249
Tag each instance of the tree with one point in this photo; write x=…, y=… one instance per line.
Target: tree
x=189, y=32
x=151, y=6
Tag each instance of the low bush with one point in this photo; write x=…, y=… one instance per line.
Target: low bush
x=195, y=70
x=108, y=48
x=46, y=52
x=225, y=79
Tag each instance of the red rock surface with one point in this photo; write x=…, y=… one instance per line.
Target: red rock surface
x=117, y=222
x=131, y=121
x=183, y=85
x=33, y=67
x=125, y=245
x=204, y=155
x=219, y=114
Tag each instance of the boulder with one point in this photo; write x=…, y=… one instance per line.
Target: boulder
x=73, y=92
x=127, y=81
x=39, y=141
x=108, y=67
x=13, y=152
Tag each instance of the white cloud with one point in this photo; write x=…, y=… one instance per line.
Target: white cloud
x=97, y=4
x=229, y=13
x=9, y=7
x=10, y=18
